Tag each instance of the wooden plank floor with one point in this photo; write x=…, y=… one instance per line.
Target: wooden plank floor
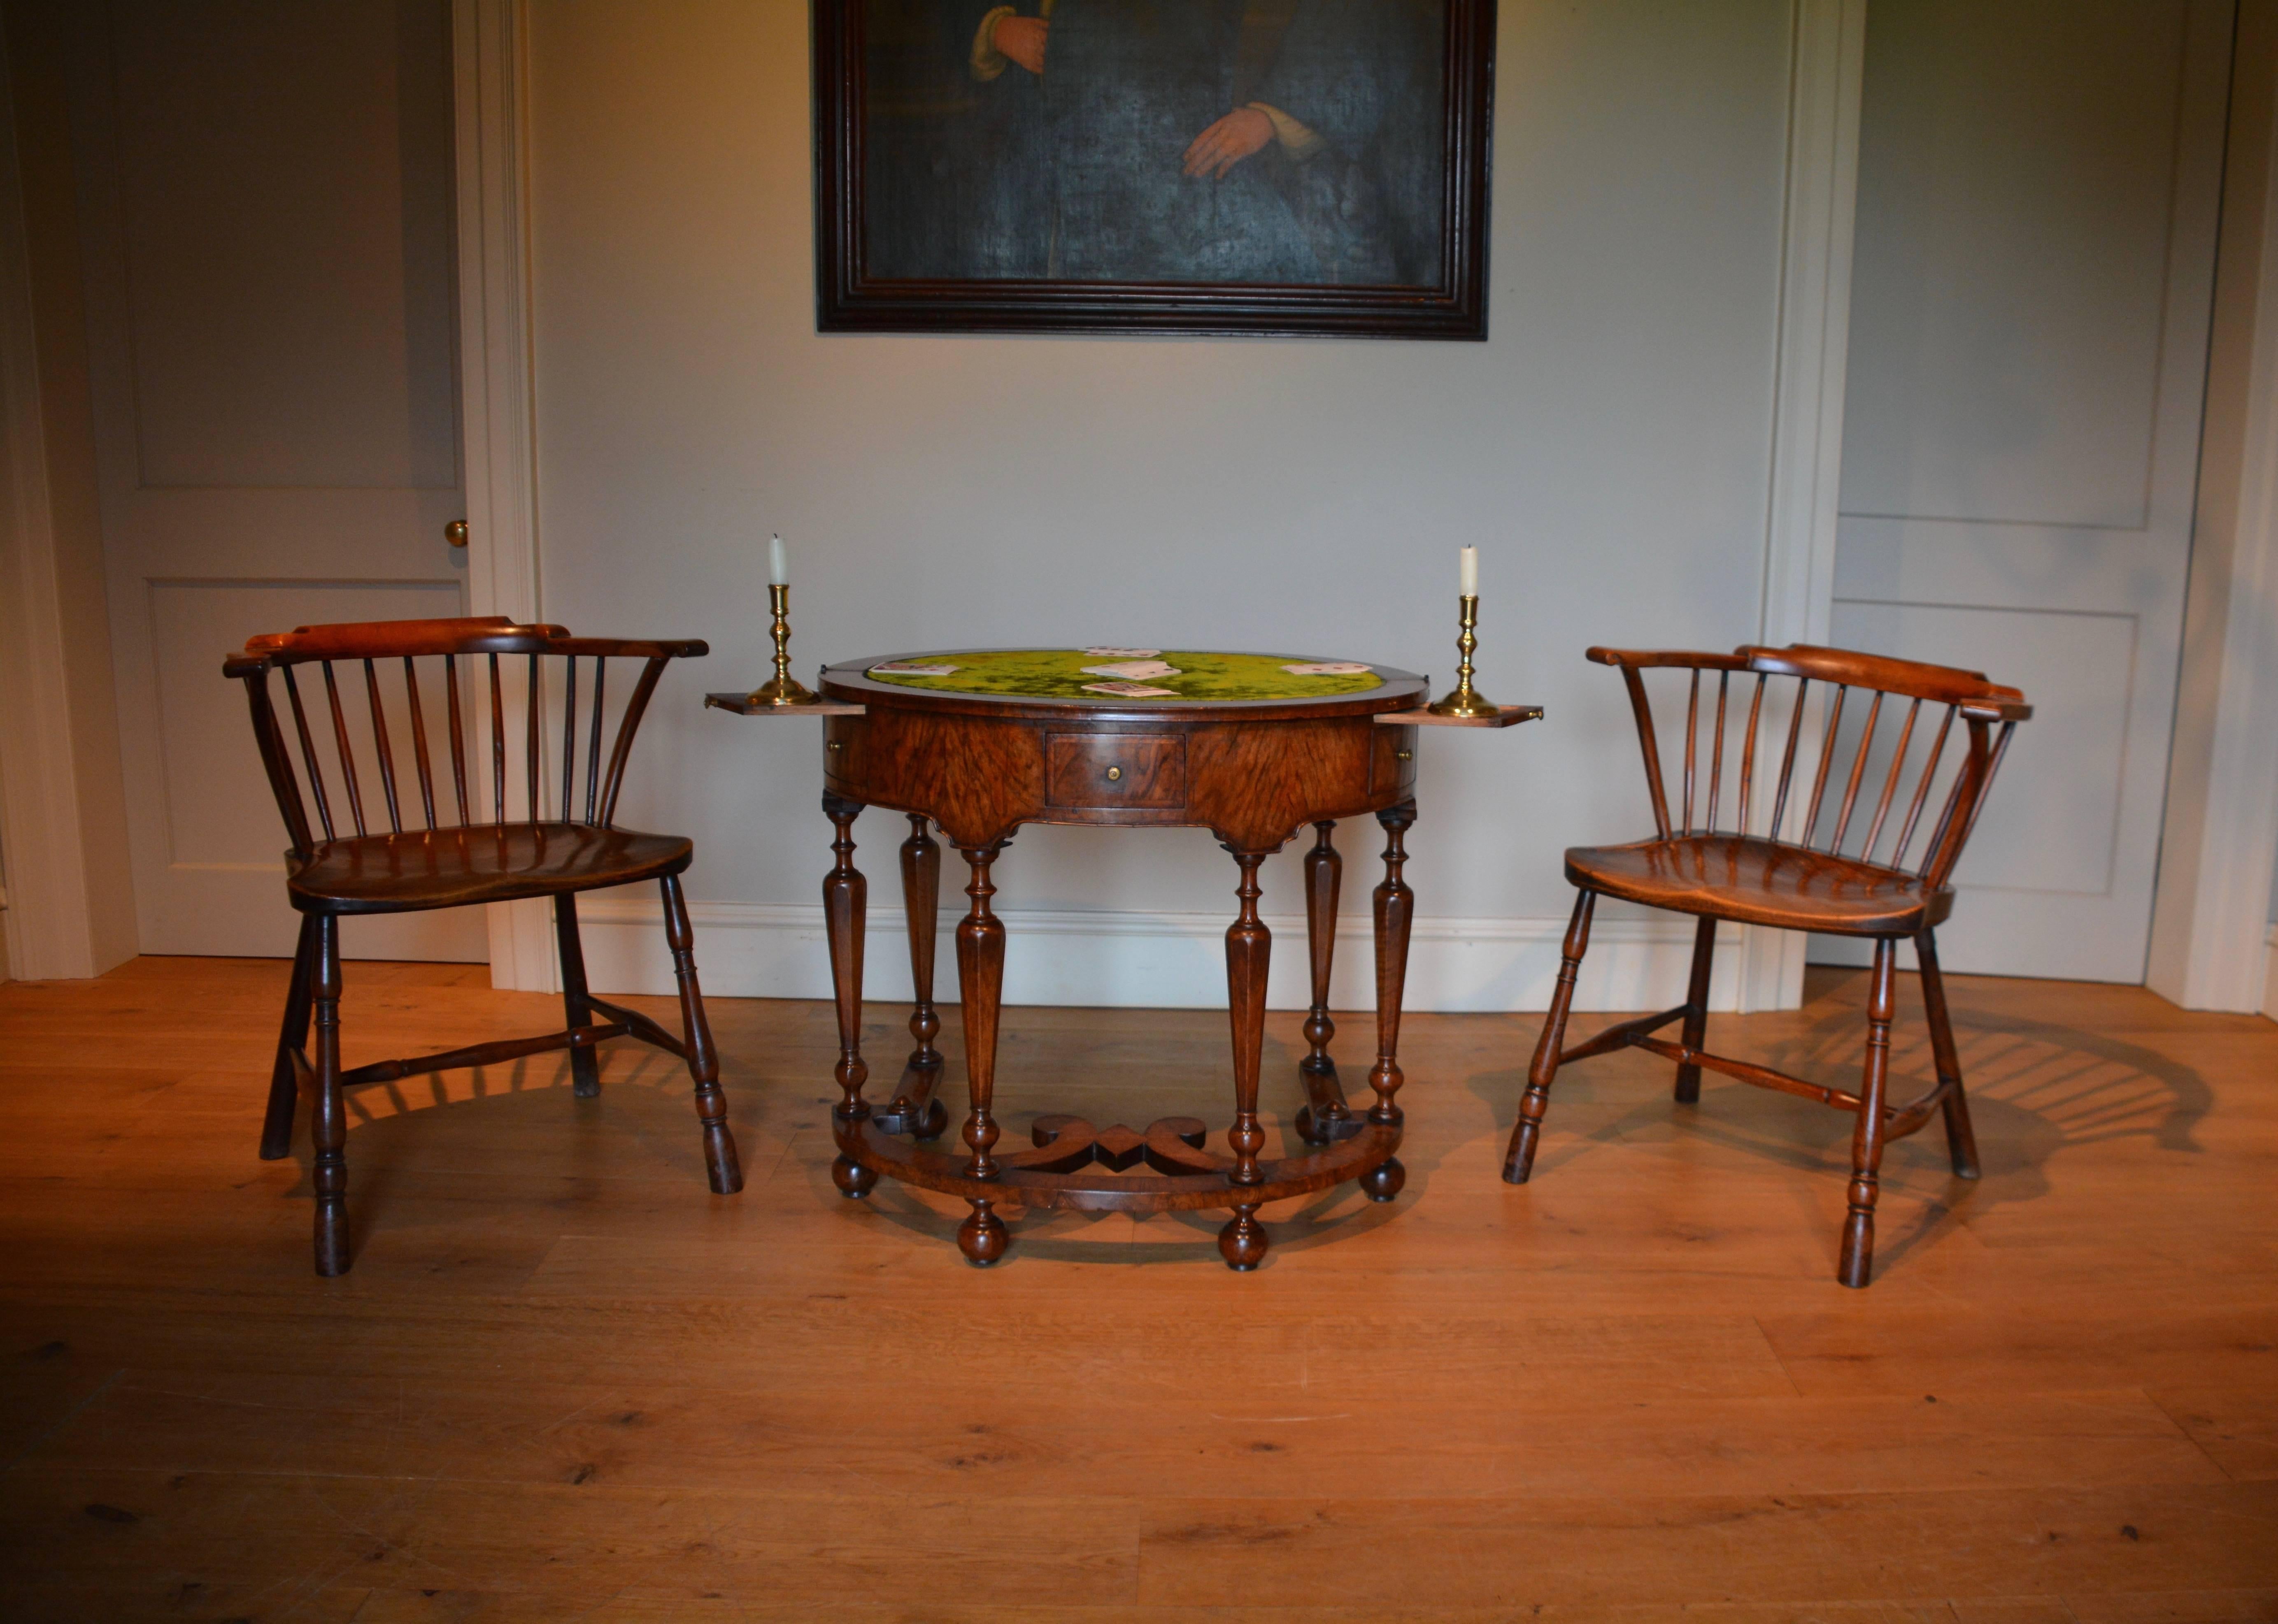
x=565, y=1381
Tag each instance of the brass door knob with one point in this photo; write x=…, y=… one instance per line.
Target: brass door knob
x=455, y=533
x=1114, y=774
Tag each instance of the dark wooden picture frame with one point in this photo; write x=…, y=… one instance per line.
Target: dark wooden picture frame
x=854, y=169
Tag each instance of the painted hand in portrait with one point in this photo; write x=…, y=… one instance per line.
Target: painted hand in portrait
x=1276, y=147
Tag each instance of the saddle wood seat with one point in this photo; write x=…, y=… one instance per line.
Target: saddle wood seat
x=1757, y=881
x=484, y=863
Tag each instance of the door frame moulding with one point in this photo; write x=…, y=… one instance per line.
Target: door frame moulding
x=1827, y=65
x=49, y=917
x=490, y=79
x=49, y=931
x=2213, y=942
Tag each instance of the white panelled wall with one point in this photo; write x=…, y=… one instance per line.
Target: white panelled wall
x=1610, y=450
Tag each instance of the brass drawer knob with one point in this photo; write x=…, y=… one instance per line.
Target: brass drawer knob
x=1114, y=774
x=1407, y=755
x=834, y=745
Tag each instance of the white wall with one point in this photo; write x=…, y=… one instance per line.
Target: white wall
x=1609, y=449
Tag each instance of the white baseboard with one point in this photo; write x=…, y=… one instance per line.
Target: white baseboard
x=2270, y=974
x=1158, y=960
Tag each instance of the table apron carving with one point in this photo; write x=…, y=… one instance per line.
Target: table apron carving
x=1254, y=784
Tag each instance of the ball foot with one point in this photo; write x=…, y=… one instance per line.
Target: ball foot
x=982, y=1237
x=1241, y=1243
x=1385, y=1180
x=854, y=1180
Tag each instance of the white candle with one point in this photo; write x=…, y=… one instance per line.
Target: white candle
x=1471, y=572
x=778, y=563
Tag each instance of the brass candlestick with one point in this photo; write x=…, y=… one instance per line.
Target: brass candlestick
x=1464, y=699
x=781, y=688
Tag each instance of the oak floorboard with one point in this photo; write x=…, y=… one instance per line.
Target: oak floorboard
x=1024, y=1440
x=565, y=1381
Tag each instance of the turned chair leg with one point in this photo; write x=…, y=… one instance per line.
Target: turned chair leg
x=1696, y=1007
x=1960, y=1137
x=328, y=1126
x=1518, y=1161
x=1857, y=1262
x=720, y=1163
x=285, y=1080
x=584, y=1065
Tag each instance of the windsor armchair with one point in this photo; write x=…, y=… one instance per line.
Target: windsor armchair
x=1803, y=882
x=332, y=871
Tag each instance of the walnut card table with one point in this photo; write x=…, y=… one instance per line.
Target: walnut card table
x=1251, y=747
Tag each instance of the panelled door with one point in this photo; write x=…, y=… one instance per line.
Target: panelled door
x=2038, y=188
x=267, y=217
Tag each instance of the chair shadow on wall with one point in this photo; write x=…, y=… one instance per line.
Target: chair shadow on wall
x=2036, y=1089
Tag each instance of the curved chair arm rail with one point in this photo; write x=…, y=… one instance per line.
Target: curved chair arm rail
x=488, y=633
x=377, y=645
x=1915, y=679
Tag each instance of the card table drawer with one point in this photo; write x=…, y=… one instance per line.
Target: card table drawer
x=1115, y=769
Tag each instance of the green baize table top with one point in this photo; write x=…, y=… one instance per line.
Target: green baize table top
x=1135, y=675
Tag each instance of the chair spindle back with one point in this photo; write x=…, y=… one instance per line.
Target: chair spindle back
x=490, y=651
x=1883, y=727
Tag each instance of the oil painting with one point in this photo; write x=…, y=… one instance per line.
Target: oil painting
x=1168, y=165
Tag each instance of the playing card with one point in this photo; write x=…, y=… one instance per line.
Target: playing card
x=1326, y=667
x=1124, y=653
x=1131, y=670
x=902, y=668
x=1128, y=690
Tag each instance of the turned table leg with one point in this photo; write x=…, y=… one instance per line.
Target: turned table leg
x=914, y=1109
x=1249, y=946
x=845, y=901
x=1395, y=912
x=981, y=985
x=1324, y=1118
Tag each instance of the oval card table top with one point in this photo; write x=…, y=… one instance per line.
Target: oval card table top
x=1140, y=682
